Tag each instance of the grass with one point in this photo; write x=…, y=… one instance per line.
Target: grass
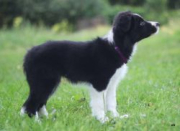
x=150, y=93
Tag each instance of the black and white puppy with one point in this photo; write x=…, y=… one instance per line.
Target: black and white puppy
x=100, y=62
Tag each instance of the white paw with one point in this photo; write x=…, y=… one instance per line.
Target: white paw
x=103, y=119
x=100, y=116
x=37, y=118
x=115, y=114
x=43, y=111
x=22, y=112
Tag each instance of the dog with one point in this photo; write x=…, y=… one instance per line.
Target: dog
x=101, y=62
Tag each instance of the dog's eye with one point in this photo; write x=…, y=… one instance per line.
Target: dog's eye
x=142, y=23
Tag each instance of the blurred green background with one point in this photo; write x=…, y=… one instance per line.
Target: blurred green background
x=70, y=15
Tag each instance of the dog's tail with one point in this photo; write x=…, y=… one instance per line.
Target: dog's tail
x=28, y=59
x=25, y=63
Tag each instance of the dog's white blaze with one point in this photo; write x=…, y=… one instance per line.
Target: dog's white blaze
x=110, y=37
x=153, y=23
x=111, y=89
x=43, y=111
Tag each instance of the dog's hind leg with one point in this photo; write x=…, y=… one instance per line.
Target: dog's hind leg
x=40, y=90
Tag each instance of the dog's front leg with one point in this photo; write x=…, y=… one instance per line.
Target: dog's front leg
x=98, y=104
x=111, y=90
x=111, y=101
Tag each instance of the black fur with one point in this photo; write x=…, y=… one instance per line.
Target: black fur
x=92, y=62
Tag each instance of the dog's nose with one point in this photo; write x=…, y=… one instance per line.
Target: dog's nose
x=157, y=24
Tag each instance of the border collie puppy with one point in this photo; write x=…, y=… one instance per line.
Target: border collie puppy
x=100, y=62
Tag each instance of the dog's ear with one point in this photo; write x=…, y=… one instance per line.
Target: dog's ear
x=123, y=23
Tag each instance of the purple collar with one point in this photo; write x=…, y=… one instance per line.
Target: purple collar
x=120, y=54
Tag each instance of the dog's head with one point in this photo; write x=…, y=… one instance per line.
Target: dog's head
x=134, y=26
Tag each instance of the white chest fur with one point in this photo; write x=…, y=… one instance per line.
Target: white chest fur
x=118, y=75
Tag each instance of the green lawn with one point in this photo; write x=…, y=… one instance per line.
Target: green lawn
x=150, y=93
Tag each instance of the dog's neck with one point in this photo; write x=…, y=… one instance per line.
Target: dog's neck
x=124, y=43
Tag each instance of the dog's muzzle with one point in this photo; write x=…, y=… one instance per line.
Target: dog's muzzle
x=156, y=25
